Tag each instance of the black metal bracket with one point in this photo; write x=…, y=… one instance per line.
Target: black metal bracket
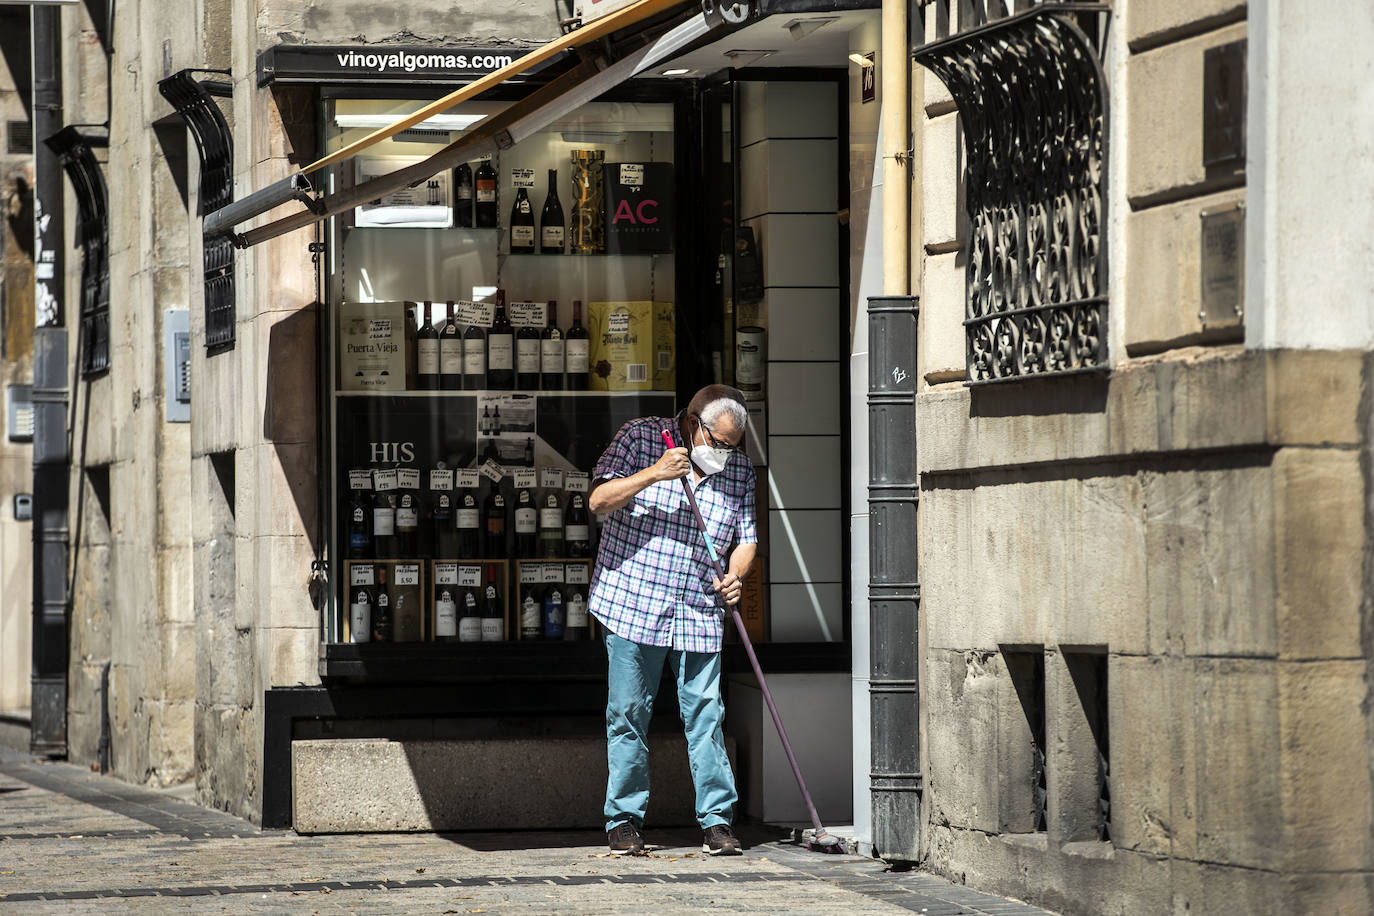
x=74, y=147
x=194, y=101
x=1032, y=99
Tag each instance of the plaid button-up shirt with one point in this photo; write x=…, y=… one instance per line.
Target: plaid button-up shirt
x=652, y=582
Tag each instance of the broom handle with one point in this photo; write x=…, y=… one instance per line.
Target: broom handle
x=749, y=650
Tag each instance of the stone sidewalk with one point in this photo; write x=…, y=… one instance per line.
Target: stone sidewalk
x=75, y=842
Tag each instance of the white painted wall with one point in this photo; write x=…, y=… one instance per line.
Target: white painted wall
x=1310, y=164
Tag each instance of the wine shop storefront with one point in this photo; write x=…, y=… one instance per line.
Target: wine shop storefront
x=487, y=331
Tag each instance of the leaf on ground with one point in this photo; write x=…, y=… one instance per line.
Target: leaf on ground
x=419, y=871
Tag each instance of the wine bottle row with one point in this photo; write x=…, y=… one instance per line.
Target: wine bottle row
x=503, y=357
x=390, y=516
x=476, y=205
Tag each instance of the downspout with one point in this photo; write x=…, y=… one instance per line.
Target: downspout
x=895, y=778
x=51, y=447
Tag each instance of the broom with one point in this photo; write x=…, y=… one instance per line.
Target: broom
x=820, y=840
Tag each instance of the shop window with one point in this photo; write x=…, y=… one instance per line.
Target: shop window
x=491, y=329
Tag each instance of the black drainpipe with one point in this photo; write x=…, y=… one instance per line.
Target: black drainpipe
x=51, y=448
x=894, y=593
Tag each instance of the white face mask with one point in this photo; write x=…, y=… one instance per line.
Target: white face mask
x=708, y=459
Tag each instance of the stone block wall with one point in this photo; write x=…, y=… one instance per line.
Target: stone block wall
x=1166, y=563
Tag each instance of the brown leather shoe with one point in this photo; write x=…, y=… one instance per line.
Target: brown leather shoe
x=625, y=840
x=720, y=840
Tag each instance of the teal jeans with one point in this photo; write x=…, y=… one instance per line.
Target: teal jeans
x=633, y=676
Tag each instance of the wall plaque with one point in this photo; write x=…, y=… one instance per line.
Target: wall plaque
x=1223, y=266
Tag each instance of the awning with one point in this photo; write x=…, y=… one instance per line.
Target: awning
x=592, y=77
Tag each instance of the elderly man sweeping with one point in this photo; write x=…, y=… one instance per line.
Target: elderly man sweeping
x=655, y=594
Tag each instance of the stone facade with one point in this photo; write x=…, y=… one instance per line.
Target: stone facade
x=194, y=545
x=1192, y=527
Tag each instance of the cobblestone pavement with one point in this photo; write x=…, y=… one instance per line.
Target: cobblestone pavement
x=75, y=842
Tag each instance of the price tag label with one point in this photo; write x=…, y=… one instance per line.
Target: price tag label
x=360, y=574
x=446, y=573
x=470, y=576
x=577, y=481
x=441, y=480
x=465, y=479
x=530, y=573
x=527, y=314
x=551, y=478
x=360, y=480
x=386, y=480
x=552, y=572
x=522, y=178
x=408, y=478
x=576, y=574
x=492, y=471
x=407, y=574
x=525, y=478
x=632, y=174
x=481, y=314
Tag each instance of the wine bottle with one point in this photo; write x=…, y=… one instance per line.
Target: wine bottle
x=493, y=611
x=462, y=198
x=551, y=526
x=446, y=596
x=527, y=358
x=553, y=610
x=484, y=181
x=553, y=228
x=551, y=352
x=577, y=344
x=494, y=512
x=474, y=358
x=575, y=603
x=359, y=516
x=381, y=611
x=495, y=429
x=484, y=424
x=360, y=614
x=468, y=524
x=501, y=349
x=526, y=524
x=383, y=521
x=427, y=351
x=442, y=526
x=522, y=224
x=529, y=452
x=470, y=623
x=411, y=333
x=407, y=521
x=450, y=353
x=531, y=602
x=577, y=527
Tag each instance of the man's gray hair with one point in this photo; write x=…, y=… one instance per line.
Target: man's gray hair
x=712, y=411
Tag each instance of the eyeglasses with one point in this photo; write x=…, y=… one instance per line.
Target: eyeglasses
x=716, y=443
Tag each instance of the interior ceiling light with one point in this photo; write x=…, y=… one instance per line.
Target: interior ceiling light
x=677, y=71
x=800, y=28
x=435, y=122
x=861, y=60
x=740, y=57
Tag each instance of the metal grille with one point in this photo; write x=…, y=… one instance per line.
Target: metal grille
x=214, y=143
x=73, y=150
x=1032, y=102
x=19, y=138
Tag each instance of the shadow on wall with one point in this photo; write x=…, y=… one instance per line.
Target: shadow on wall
x=291, y=412
x=1040, y=397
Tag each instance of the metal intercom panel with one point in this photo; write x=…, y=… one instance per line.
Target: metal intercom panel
x=176, y=364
